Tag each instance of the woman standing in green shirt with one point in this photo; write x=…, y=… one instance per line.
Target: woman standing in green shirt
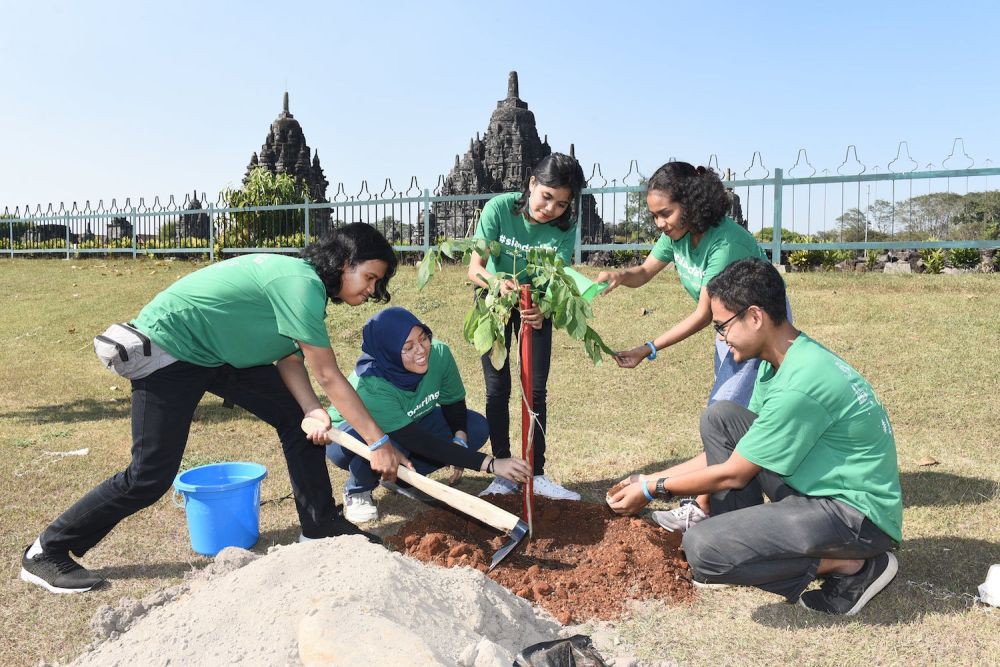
x=689, y=205
x=543, y=215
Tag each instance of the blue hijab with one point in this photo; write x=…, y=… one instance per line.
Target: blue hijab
x=382, y=342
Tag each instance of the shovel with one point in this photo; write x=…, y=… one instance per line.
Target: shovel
x=473, y=506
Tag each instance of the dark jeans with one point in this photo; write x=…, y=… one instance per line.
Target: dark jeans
x=362, y=478
x=163, y=405
x=774, y=546
x=498, y=390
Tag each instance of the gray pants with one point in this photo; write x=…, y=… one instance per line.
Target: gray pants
x=774, y=546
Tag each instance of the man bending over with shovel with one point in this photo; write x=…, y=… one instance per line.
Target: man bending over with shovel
x=815, y=440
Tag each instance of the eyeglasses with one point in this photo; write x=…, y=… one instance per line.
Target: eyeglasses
x=721, y=328
x=411, y=349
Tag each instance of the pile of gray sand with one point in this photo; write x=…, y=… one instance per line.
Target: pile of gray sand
x=339, y=601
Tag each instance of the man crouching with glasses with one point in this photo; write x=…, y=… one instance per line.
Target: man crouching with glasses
x=815, y=440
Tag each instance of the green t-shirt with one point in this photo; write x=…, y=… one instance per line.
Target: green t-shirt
x=823, y=430
x=393, y=408
x=498, y=222
x=246, y=311
x=719, y=247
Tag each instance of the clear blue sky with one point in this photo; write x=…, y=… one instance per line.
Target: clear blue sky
x=110, y=99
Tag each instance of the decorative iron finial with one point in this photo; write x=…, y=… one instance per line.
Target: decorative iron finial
x=512, y=85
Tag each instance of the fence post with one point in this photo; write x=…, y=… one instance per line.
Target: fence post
x=427, y=220
x=577, y=253
x=776, y=228
x=135, y=252
x=211, y=234
x=66, y=220
x=305, y=238
x=10, y=233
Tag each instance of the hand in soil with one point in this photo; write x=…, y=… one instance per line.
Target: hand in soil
x=631, y=479
x=455, y=476
x=629, y=499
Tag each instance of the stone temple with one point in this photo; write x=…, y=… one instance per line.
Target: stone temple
x=285, y=151
x=501, y=161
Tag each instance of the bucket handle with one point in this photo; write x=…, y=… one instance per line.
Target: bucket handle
x=173, y=497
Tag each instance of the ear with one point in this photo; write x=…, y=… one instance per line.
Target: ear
x=532, y=182
x=757, y=316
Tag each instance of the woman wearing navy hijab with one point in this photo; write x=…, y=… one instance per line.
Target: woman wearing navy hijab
x=410, y=384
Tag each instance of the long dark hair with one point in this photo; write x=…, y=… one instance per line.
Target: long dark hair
x=698, y=190
x=349, y=246
x=556, y=171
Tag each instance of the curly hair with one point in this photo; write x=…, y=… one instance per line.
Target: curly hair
x=557, y=170
x=349, y=246
x=697, y=190
x=750, y=282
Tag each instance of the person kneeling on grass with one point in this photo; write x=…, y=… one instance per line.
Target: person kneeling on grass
x=815, y=440
x=411, y=386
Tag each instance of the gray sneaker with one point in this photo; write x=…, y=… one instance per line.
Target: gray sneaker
x=680, y=518
x=57, y=573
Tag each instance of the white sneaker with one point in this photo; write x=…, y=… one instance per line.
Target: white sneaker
x=549, y=489
x=499, y=487
x=680, y=518
x=360, y=507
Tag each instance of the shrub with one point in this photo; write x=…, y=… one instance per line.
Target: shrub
x=934, y=259
x=964, y=258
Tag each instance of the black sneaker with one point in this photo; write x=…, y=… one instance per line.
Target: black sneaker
x=57, y=573
x=847, y=595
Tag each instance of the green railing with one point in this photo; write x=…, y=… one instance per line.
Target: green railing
x=934, y=215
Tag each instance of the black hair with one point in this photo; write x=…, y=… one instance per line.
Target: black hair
x=556, y=171
x=698, y=190
x=349, y=246
x=750, y=282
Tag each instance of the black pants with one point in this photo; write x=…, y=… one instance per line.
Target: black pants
x=163, y=405
x=774, y=546
x=498, y=390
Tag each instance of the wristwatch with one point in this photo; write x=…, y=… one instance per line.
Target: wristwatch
x=661, y=491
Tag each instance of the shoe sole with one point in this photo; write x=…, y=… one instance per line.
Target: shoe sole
x=709, y=587
x=38, y=581
x=362, y=519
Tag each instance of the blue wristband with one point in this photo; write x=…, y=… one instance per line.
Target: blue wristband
x=460, y=441
x=645, y=491
x=651, y=357
x=378, y=443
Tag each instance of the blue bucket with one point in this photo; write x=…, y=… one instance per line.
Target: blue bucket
x=222, y=502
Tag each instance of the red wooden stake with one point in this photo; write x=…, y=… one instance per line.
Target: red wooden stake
x=527, y=408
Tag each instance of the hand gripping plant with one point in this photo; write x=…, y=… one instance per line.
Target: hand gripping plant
x=554, y=288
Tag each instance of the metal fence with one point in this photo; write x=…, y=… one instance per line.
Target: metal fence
x=788, y=210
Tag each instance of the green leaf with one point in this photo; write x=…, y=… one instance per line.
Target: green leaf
x=498, y=355
x=495, y=248
x=426, y=268
x=483, y=339
x=471, y=324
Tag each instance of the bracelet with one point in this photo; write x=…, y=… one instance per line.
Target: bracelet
x=489, y=466
x=378, y=443
x=646, y=492
x=460, y=441
x=652, y=348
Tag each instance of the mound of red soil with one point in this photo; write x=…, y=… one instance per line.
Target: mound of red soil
x=583, y=561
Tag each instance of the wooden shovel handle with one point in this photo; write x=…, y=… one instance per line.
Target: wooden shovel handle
x=473, y=506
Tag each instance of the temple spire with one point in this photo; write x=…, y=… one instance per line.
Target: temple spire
x=512, y=85
x=285, y=105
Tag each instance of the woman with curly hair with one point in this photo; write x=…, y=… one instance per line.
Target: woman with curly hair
x=689, y=206
x=243, y=329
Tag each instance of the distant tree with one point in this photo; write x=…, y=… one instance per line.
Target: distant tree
x=852, y=225
x=979, y=217
x=881, y=216
x=264, y=188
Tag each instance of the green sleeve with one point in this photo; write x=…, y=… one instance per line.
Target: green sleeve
x=488, y=228
x=664, y=249
x=786, y=429
x=567, y=246
x=452, y=389
x=299, y=309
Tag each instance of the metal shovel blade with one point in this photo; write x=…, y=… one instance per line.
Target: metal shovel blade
x=516, y=535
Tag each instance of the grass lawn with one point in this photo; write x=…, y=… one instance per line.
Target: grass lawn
x=929, y=345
